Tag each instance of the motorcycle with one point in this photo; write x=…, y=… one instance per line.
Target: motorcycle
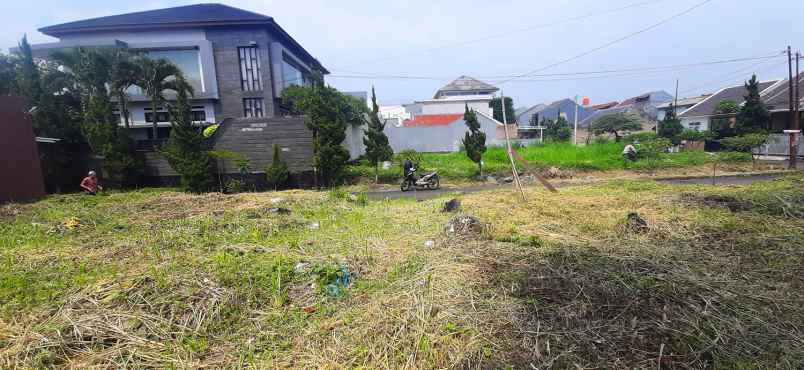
x=429, y=181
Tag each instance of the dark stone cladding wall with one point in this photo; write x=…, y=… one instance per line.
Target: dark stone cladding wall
x=225, y=41
x=255, y=137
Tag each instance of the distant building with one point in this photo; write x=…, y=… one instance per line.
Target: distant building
x=237, y=61
x=436, y=125
x=644, y=106
x=680, y=106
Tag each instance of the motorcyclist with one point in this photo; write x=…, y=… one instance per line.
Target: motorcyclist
x=408, y=170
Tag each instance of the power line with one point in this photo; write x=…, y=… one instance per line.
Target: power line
x=503, y=34
x=594, y=74
x=610, y=43
x=731, y=76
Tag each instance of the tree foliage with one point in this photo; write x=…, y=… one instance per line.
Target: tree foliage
x=745, y=143
x=186, y=151
x=754, y=116
x=377, y=147
x=88, y=74
x=277, y=173
x=510, y=112
x=616, y=124
x=670, y=127
x=327, y=113
x=558, y=130
x=474, y=141
x=156, y=76
x=27, y=81
x=721, y=124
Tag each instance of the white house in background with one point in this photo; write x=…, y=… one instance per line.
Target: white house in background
x=437, y=125
x=680, y=106
x=700, y=115
x=397, y=112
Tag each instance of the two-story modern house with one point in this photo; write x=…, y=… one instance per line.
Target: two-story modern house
x=237, y=61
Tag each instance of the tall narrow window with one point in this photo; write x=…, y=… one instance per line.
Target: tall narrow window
x=250, y=79
x=253, y=107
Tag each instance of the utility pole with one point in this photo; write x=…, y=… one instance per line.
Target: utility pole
x=514, y=171
x=792, y=148
x=575, y=133
x=675, y=102
x=797, y=118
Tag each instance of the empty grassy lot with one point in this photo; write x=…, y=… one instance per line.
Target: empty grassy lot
x=161, y=279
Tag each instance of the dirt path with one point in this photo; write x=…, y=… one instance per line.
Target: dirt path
x=429, y=194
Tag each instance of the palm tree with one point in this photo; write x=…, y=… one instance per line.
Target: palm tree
x=125, y=73
x=156, y=76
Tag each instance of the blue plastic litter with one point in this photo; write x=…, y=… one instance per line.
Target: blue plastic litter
x=338, y=287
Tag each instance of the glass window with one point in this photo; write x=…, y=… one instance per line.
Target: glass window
x=291, y=74
x=187, y=60
x=250, y=79
x=253, y=107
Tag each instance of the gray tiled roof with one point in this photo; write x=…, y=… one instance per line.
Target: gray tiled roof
x=465, y=84
x=199, y=13
x=708, y=105
x=778, y=98
x=684, y=102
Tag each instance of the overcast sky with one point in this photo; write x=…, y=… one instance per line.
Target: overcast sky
x=443, y=39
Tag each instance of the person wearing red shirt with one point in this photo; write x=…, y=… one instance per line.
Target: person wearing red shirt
x=90, y=183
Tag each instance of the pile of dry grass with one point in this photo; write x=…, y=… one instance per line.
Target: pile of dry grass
x=596, y=310
x=140, y=322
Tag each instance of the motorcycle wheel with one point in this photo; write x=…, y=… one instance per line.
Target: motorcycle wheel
x=434, y=183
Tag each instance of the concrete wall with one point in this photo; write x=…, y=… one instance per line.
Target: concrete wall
x=442, y=138
x=354, y=140
x=453, y=107
x=779, y=144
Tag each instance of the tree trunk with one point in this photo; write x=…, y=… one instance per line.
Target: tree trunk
x=616, y=137
x=376, y=173
x=480, y=168
x=154, y=119
x=123, y=108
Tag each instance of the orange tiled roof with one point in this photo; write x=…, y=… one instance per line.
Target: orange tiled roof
x=432, y=120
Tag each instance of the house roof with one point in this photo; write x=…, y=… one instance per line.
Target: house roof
x=684, y=102
x=778, y=97
x=605, y=105
x=707, y=106
x=647, y=97
x=198, y=15
x=189, y=14
x=432, y=120
x=465, y=84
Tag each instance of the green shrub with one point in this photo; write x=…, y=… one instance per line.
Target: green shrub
x=695, y=135
x=413, y=156
x=233, y=186
x=277, y=173
x=652, y=148
x=641, y=137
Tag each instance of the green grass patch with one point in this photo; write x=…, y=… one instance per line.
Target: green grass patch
x=604, y=156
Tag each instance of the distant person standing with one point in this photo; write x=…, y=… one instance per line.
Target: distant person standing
x=90, y=184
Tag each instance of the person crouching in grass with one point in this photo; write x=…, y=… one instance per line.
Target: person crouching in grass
x=90, y=184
